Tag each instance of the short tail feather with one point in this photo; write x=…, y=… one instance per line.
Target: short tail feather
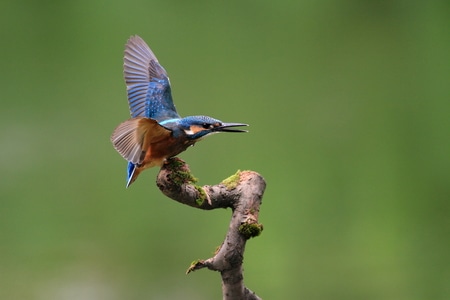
x=131, y=173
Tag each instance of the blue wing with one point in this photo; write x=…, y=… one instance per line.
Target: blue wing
x=148, y=85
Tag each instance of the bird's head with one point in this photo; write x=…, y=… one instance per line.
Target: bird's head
x=197, y=127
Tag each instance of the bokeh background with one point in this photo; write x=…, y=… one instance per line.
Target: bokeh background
x=349, y=106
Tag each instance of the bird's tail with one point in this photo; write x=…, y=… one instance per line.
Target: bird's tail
x=132, y=173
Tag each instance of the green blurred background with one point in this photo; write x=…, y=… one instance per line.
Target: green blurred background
x=349, y=107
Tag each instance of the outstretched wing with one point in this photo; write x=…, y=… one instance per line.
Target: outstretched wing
x=147, y=82
x=133, y=137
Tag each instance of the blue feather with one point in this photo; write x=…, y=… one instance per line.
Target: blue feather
x=148, y=86
x=130, y=171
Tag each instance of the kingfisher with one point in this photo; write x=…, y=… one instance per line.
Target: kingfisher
x=155, y=131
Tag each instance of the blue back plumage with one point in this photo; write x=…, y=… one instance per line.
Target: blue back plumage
x=148, y=86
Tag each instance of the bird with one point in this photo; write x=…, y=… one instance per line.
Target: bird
x=155, y=132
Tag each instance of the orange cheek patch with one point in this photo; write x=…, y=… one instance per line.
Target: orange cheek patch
x=196, y=128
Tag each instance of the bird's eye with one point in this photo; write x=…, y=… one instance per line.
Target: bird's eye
x=207, y=126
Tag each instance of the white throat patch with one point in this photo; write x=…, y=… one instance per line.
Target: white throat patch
x=189, y=131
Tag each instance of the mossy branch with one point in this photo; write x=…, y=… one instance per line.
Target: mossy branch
x=242, y=192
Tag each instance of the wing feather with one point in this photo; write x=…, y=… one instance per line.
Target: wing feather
x=133, y=138
x=148, y=85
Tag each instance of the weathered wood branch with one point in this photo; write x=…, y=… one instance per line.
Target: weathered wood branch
x=242, y=192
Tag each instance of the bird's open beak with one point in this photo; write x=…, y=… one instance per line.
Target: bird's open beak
x=226, y=127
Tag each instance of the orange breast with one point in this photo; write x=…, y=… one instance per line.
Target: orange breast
x=158, y=152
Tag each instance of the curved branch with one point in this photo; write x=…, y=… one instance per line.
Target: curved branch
x=242, y=192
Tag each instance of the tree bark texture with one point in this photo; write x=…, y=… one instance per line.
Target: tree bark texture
x=242, y=192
